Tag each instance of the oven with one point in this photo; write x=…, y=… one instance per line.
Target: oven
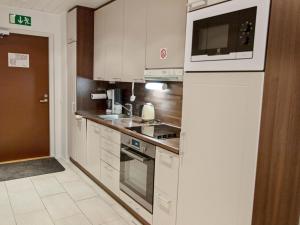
x=230, y=36
x=137, y=168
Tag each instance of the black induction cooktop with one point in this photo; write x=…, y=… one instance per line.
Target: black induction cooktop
x=161, y=131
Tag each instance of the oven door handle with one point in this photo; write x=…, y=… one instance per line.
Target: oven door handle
x=134, y=156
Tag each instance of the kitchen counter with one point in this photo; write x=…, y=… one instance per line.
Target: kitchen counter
x=120, y=125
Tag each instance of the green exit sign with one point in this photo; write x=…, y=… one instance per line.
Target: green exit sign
x=20, y=19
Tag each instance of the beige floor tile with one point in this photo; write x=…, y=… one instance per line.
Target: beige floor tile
x=34, y=218
x=79, y=190
x=47, y=185
x=25, y=202
x=19, y=185
x=60, y=206
x=67, y=176
x=79, y=219
x=98, y=211
x=6, y=214
x=117, y=222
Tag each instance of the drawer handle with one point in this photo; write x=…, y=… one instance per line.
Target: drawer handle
x=164, y=202
x=167, y=160
x=108, y=155
x=109, y=169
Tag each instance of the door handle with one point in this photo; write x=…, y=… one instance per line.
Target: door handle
x=44, y=100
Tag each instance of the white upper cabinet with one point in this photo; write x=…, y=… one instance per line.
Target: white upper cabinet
x=109, y=35
x=134, y=40
x=120, y=41
x=113, y=38
x=99, y=45
x=72, y=26
x=166, y=20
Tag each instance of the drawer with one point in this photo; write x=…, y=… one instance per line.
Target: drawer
x=110, y=147
x=167, y=165
x=164, y=210
x=136, y=207
x=111, y=135
x=110, y=177
x=110, y=159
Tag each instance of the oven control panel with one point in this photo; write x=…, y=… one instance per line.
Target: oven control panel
x=138, y=145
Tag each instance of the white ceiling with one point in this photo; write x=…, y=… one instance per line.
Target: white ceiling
x=51, y=6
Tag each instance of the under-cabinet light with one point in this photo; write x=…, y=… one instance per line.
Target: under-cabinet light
x=156, y=86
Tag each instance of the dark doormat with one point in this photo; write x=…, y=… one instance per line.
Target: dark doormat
x=11, y=171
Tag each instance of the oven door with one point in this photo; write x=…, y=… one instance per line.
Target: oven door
x=137, y=177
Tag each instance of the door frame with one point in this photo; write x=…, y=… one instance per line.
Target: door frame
x=51, y=80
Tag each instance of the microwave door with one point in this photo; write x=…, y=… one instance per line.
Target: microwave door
x=214, y=38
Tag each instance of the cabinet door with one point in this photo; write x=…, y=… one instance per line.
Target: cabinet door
x=72, y=26
x=99, y=45
x=164, y=210
x=166, y=21
x=93, y=148
x=80, y=140
x=219, y=148
x=166, y=165
x=71, y=57
x=113, y=39
x=134, y=40
x=165, y=191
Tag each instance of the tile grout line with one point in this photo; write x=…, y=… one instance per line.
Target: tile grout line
x=10, y=204
x=45, y=208
x=80, y=174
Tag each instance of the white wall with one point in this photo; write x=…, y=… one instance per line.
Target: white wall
x=54, y=26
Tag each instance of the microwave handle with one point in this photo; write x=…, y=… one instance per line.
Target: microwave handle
x=196, y=5
x=134, y=156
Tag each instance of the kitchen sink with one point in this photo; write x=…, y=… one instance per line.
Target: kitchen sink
x=113, y=116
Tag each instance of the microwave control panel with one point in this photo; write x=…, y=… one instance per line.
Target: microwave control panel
x=247, y=29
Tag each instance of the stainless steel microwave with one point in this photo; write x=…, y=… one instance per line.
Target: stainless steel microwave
x=230, y=36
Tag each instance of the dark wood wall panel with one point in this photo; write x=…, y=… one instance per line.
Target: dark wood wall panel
x=168, y=103
x=85, y=42
x=277, y=197
x=84, y=89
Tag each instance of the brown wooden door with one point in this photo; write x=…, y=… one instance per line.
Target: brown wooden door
x=24, y=120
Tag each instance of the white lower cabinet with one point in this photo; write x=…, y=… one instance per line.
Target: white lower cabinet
x=78, y=147
x=136, y=207
x=166, y=187
x=93, y=148
x=110, y=158
x=164, y=211
x=110, y=177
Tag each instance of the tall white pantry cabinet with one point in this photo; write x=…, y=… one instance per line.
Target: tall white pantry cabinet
x=76, y=124
x=219, y=147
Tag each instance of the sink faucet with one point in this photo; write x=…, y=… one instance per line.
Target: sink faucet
x=128, y=107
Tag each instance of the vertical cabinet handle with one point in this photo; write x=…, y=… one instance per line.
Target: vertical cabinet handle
x=182, y=149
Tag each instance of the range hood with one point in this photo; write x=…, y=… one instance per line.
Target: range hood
x=164, y=75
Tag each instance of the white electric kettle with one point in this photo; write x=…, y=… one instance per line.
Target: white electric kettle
x=148, y=112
